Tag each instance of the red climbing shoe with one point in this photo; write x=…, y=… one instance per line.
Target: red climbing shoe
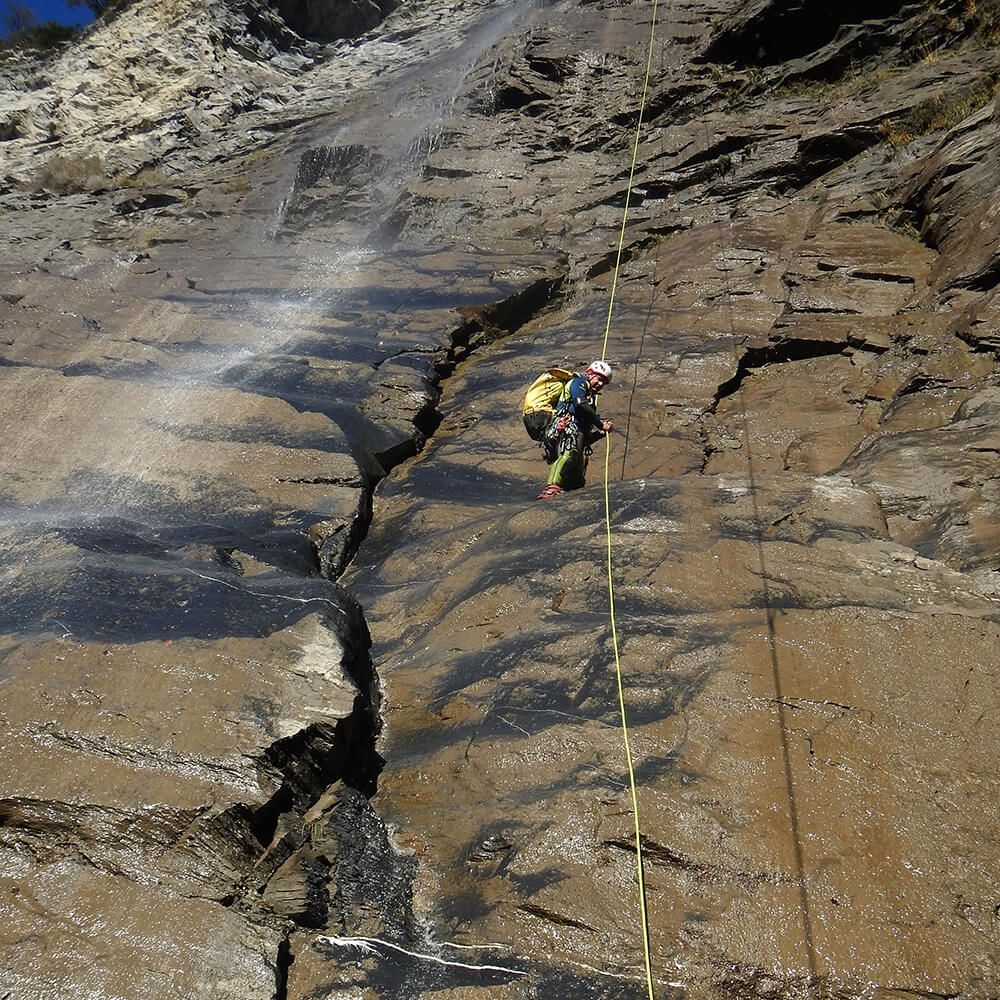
x=550, y=492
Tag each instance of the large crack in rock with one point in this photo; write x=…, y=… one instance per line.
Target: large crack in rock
x=329, y=863
x=781, y=352
x=813, y=40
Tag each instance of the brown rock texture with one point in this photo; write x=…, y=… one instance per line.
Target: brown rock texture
x=304, y=694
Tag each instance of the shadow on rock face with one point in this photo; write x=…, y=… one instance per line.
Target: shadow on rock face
x=328, y=20
x=115, y=580
x=460, y=483
x=770, y=33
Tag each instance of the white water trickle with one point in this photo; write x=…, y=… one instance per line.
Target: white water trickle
x=404, y=123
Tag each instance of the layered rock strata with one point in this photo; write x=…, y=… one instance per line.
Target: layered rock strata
x=229, y=310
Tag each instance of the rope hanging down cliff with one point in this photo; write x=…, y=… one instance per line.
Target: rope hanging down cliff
x=643, y=912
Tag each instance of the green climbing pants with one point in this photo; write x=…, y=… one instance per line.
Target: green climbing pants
x=570, y=466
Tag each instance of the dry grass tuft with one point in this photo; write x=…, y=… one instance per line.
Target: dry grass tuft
x=63, y=175
x=939, y=113
x=150, y=177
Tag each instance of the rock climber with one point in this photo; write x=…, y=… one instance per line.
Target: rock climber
x=574, y=426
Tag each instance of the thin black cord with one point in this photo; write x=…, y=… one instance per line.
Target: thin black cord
x=772, y=641
x=649, y=312
x=638, y=358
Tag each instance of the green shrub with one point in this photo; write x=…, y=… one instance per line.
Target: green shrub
x=39, y=36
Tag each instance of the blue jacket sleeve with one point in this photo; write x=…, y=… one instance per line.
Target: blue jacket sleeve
x=579, y=390
x=583, y=408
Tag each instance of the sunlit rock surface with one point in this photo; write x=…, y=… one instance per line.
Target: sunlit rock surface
x=306, y=696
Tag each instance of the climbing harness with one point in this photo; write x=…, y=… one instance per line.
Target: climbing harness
x=644, y=916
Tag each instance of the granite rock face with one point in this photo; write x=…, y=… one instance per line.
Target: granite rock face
x=306, y=696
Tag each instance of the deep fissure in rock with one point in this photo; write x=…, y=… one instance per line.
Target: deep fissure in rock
x=282, y=968
x=482, y=325
x=781, y=352
x=779, y=32
x=319, y=829
x=328, y=20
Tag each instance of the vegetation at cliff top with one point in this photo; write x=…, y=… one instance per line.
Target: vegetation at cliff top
x=21, y=29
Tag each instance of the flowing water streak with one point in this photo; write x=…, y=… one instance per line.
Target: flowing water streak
x=367, y=945
x=407, y=122
x=406, y=119
x=130, y=458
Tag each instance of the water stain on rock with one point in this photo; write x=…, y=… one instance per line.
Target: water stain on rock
x=268, y=328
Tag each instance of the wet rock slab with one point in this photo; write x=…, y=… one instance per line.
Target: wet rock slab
x=763, y=680
x=194, y=425
x=161, y=764
x=797, y=654
x=162, y=943
x=209, y=367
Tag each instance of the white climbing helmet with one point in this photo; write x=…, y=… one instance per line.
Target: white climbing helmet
x=601, y=368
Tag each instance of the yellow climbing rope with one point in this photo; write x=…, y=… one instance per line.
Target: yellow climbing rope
x=644, y=916
x=607, y=521
x=631, y=176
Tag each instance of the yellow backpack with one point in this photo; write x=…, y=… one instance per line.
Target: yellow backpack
x=544, y=392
